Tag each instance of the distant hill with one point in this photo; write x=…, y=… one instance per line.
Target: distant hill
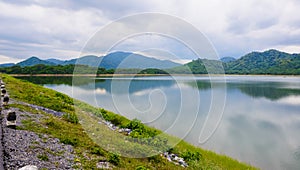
x=89, y=60
x=199, y=66
x=110, y=61
x=56, y=61
x=132, y=60
x=6, y=65
x=227, y=59
x=34, y=61
x=123, y=60
x=267, y=62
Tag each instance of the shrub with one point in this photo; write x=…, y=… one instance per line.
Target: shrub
x=114, y=159
x=191, y=156
x=135, y=124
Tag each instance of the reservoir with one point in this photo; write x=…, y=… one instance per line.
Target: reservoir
x=254, y=119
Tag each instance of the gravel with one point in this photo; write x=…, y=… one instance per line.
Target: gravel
x=22, y=147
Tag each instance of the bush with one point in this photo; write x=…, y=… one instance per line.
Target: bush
x=191, y=156
x=135, y=124
x=114, y=159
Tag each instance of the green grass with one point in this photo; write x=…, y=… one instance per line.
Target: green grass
x=91, y=149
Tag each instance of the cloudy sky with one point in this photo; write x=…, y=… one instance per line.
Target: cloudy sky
x=60, y=29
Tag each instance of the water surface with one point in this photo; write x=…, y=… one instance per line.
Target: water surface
x=260, y=120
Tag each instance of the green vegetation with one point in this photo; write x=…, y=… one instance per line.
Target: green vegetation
x=85, y=144
x=114, y=159
x=199, y=66
x=268, y=62
x=70, y=69
x=191, y=156
x=56, y=69
x=43, y=157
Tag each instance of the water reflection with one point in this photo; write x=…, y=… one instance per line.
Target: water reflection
x=273, y=90
x=261, y=121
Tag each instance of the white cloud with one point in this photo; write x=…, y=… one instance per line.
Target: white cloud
x=289, y=48
x=291, y=100
x=6, y=59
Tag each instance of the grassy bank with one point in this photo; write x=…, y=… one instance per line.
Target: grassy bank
x=80, y=121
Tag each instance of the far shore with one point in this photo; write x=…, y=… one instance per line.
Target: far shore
x=141, y=75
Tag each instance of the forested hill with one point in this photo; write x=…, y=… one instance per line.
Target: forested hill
x=268, y=62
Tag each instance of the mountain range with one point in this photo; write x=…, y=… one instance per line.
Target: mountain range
x=111, y=61
x=267, y=62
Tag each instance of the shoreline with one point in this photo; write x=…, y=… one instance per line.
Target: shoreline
x=149, y=75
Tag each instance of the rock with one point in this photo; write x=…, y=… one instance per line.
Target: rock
x=103, y=165
x=29, y=167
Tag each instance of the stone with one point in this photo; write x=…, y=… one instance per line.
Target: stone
x=3, y=92
x=29, y=167
x=103, y=165
x=11, y=116
x=11, y=120
x=5, y=100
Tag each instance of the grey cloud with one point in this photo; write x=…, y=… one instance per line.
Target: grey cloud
x=234, y=27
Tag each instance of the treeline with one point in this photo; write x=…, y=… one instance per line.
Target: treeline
x=254, y=63
x=59, y=69
x=72, y=69
x=242, y=66
x=282, y=67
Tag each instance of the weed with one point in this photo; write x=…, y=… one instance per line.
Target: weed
x=43, y=157
x=114, y=159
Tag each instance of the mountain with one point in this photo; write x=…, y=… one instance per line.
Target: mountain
x=227, y=59
x=122, y=60
x=267, y=62
x=132, y=60
x=34, y=61
x=89, y=60
x=111, y=61
x=6, y=65
x=55, y=61
x=199, y=66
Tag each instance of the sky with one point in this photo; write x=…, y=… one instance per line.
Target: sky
x=61, y=29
